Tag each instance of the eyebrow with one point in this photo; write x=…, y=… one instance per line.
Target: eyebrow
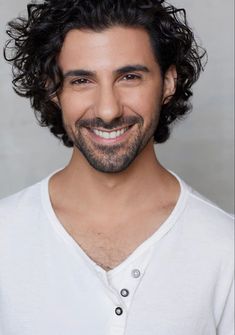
x=120, y=71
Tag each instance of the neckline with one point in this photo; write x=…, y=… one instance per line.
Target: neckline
x=154, y=238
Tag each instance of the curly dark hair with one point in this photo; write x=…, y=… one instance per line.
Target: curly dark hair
x=36, y=41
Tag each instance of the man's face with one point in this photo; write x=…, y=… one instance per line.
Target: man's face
x=112, y=94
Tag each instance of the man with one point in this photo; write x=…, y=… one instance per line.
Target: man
x=114, y=243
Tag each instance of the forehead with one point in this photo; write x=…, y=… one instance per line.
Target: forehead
x=113, y=47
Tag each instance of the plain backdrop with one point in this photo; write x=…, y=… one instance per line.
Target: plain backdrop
x=200, y=149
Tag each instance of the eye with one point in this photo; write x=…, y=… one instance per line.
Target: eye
x=80, y=81
x=131, y=76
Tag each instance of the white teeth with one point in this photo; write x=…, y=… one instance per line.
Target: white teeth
x=108, y=135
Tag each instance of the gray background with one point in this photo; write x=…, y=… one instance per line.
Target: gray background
x=201, y=147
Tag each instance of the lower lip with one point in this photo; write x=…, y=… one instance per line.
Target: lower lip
x=108, y=141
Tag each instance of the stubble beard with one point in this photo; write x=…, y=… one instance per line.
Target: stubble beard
x=117, y=157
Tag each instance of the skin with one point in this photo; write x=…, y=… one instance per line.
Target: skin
x=103, y=209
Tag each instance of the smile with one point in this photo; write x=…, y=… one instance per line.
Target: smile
x=110, y=135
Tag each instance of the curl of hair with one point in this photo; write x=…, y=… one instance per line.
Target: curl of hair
x=35, y=43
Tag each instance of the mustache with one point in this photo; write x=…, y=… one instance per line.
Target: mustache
x=116, y=123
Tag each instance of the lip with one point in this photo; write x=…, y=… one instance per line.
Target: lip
x=109, y=141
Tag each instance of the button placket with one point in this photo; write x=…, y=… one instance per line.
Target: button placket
x=124, y=283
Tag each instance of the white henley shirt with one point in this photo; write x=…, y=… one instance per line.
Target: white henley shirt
x=178, y=282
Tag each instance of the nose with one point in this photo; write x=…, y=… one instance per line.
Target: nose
x=108, y=105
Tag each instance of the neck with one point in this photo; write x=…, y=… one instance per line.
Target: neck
x=83, y=189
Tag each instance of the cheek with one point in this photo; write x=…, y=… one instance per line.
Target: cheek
x=145, y=102
x=73, y=107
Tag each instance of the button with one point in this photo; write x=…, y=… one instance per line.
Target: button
x=124, y=292
x=135, y=273
x=118, y=311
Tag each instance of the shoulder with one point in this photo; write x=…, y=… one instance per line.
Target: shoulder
x=23, y=204
x=212, y=226
x=209, y=212
x=15, y=200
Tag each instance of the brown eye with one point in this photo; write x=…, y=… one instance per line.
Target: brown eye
x=131, y=77
x=80, y=81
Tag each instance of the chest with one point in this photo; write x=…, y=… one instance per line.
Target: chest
x=108, y=250
x=105, y=251
x=109, y=243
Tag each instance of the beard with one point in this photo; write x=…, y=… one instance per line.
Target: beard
x=113, y=158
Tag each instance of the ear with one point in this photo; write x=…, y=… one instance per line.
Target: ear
x=169, y=84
